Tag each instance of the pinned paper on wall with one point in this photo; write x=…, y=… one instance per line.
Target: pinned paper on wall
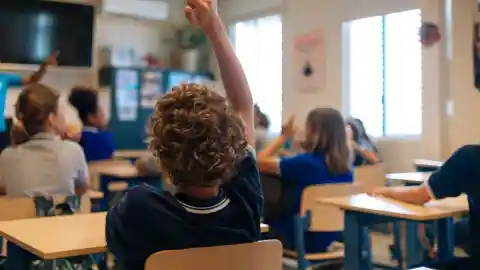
x=309, y=62
x=127, y=95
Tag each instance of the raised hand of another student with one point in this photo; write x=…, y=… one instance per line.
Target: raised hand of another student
x=202, y=14
x=288, y=129
x=38, y=75
x=52, y=59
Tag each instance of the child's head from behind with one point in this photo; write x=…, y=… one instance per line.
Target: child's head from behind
x=358, y=130
x=197, y=137
x=261, y=119
x=85, y=100
x=326, y=134
x=38, y=111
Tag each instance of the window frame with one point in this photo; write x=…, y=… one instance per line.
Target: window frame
x=347, y=89
x=257, y=17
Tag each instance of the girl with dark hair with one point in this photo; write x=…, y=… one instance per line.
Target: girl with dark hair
x=39, y=162
x=363, y=148
x=326, y=160
x=261, y=128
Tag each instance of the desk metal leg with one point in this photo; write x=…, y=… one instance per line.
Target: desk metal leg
x=103, y=262
x=104, y=181
x=18, y=258
x=414, y=248
x=357, y=246
x=446, y=238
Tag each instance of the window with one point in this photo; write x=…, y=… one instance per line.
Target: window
x=385, y=73
x=258, y=44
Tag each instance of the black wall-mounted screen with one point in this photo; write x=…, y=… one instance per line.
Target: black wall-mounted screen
x=29, y=32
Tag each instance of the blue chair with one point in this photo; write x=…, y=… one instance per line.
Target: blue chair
x=315, y=217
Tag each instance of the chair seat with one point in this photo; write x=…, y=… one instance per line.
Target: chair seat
x=323, y=256
x=95, y=194
x=118, y=186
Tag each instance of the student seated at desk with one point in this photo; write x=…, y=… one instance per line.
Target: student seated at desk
x=326, y=160
x=459, y=174
x=261, y=128
x=96, y=142
x=200, y=139
x=364, y=149
x=41, y=163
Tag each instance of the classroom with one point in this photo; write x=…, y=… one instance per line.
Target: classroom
x=239, y=134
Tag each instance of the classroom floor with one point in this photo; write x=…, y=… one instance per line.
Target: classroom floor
x=381, y=254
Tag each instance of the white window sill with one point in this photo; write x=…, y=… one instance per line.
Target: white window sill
x=405, y=138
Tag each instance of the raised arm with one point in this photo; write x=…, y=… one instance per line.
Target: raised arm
x=36, y=76
x=201, y=13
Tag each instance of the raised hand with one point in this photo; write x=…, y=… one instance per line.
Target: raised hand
x=202, y=14
x=289, y=129
x=52, y=59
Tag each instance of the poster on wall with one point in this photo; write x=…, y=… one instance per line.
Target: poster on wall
x=126, y=95
x=309, y=62
x=151, y=89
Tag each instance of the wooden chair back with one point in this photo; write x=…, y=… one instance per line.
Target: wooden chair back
x=12, y=208
x=369, y=177
x=263, y=255
x=319, y=212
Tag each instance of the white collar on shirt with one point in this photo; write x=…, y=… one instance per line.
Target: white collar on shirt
x=90, y=129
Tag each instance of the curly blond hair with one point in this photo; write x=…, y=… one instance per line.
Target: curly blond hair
x=197, y=137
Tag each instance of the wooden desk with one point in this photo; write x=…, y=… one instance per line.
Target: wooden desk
x=388, y=207
x=115, y=168
x=95, y=194
x=362, y=210
x=57, y=237
x=129, y=154
x=409, y=178
x=119, y=174
x=425, y=164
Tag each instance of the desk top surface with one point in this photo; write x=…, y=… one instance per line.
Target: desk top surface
x=388, y=207
x=409, y=177
x=62, y=236
x=427, y=163
x=116, y=168
x=58, y=237
x=127, y=154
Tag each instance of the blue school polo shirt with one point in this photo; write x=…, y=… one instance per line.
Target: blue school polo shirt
x=97, y=144
x=6, y=80
x=306, y=169
x=461, y=174
x=147, y=220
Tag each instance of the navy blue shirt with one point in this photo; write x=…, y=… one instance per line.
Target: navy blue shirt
x=97, y=144
x=147, y=220
x=461, y=174
x=305, y=170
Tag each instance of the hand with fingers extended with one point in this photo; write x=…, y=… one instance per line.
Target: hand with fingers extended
x=289, y=129
x=201, y=13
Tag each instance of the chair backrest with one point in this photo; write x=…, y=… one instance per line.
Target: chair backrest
x=325, y=218
x=263, y=255
x=12, y=208
x=279, y=196
x=369, y=177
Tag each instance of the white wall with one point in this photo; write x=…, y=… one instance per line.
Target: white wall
x=444, y=78
x=143, y=36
